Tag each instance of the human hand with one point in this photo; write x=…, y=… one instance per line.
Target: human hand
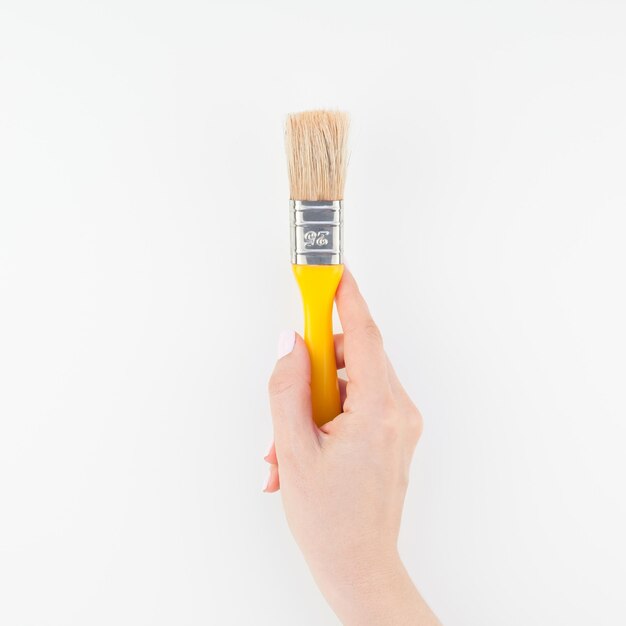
x=343, y=485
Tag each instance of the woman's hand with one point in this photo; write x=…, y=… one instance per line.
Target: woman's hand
x=343, y=485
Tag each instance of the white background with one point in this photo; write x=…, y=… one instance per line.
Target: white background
x=144, y=278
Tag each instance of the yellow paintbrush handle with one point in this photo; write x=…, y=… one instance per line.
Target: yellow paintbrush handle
x=318, y=284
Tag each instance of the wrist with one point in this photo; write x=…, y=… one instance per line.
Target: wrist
x=372, y=589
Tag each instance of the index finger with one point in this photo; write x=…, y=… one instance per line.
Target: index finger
x=365, y=361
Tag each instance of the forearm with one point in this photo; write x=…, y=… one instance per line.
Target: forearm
x=379, y=593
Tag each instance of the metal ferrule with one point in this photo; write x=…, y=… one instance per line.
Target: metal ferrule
x=316, y=232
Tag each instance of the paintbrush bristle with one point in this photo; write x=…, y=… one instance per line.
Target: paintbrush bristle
x=317, y=154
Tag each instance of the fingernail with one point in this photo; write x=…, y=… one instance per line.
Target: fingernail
x=268, y=449
x=286, y=342
x=345, y=264
x=266, y=480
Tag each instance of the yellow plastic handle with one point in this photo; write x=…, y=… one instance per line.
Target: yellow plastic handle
x=318, y=284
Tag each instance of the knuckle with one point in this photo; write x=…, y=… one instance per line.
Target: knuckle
x=398, y=423
x=390, y=426
x=279, y=385
x=390, y=431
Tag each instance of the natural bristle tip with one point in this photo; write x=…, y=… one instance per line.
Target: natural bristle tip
x=316, y=144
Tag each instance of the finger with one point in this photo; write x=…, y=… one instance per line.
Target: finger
x=270, y=457
x=343, y=385
x=295, y=434
x=339, y=351
x=273, y=480
x=364, y=357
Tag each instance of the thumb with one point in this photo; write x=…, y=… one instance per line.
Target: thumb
x=295, y=432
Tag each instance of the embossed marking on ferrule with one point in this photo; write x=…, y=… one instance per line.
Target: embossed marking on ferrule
x=316, y=232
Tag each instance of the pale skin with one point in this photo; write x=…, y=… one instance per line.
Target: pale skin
x=343, y=485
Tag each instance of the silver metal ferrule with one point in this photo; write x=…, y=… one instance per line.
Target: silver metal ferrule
x=316, y=232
